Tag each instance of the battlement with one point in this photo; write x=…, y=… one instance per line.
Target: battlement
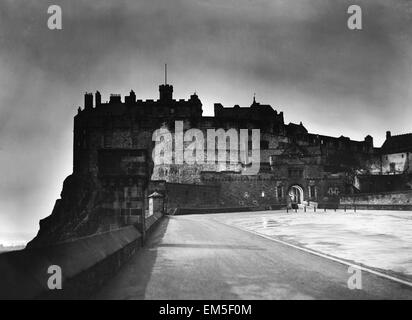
x=262, y=116
x=115, y=98
x=256, y=111
x=163, y=107
x=338, y=143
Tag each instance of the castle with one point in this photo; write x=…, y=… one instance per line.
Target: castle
x=113, y=170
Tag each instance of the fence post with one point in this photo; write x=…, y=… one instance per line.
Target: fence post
x=355, y=207
x=304, y=208
x=344, y=208
x=324, y=209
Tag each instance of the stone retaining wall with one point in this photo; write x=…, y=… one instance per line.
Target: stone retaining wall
x=382, y=198
x=85, y=263
x=399, y=200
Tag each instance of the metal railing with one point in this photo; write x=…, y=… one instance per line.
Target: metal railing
x=324, y=207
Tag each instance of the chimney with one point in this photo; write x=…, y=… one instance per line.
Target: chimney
x=98, y=98
x=388, y=134
x=115, y=98
x=132, y=97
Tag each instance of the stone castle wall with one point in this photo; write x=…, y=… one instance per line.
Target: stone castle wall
x=382, y=198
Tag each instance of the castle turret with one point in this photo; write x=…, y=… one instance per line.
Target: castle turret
x=130, y=99
x=166, y=92
x=88, y=100
x=194, y=97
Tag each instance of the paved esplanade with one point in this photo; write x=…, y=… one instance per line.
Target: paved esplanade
x=198, y=257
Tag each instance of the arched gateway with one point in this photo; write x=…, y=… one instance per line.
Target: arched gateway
x=295, y=195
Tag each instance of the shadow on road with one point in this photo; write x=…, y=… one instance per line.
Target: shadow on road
x=132, y=279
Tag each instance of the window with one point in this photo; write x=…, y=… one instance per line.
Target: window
x=279, y=192
x=312, y=191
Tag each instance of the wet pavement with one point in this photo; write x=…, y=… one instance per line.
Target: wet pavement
x=209, y=257
x=379, y=239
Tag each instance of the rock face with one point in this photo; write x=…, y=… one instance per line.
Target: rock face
x=75, y=215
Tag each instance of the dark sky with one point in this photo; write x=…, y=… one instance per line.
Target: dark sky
x=299, y=56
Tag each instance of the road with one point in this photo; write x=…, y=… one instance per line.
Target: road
x=199, y=257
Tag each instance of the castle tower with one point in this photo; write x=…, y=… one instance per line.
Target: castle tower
x=166, y=92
